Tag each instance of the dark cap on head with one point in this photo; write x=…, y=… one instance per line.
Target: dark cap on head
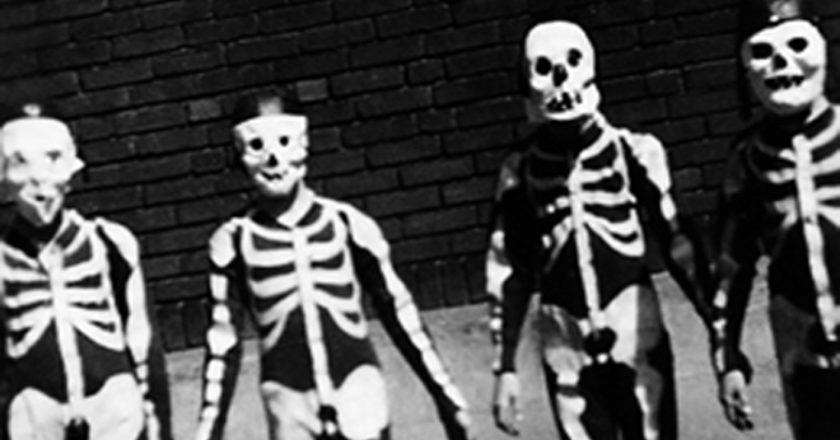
x=263, y=102
x=756, y=15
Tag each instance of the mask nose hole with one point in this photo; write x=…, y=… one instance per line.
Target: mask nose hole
x=779, y=62
x=559, y=75
x=272, y=160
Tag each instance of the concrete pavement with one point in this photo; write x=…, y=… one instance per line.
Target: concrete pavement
x=462, y=337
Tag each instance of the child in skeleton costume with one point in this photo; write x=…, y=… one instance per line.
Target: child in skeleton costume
x=300, y=262
x=80, y=355
x=780, y=199
x=568, y=226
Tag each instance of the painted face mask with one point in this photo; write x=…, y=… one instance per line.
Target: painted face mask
x=786, y=66
x=273, y=148
x=38, y=159
x=561, y=71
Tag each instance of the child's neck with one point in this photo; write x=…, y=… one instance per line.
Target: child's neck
x=287, y=209
x=40, y=234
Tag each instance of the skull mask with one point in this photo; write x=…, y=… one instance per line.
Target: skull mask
x=561, y=71
x=273, y=148
x=37, y=159
x=786, y=65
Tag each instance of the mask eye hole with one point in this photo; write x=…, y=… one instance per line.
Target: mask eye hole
x=54, y=155
x=284, y=140
x=542, y=66
x=798, y=44
x=761, y=51
x=256, y=144
x=574, y=57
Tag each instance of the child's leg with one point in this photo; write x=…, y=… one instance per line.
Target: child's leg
x=291, y=414
x=361, y=404
x=116, y=410
x=811, y=391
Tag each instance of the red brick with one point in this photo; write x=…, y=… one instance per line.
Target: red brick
x=186, y=188
x=454, y=282
x=209, y=160
x=145, y=43
x=697, y=203
x=223, y=9
x=166, y=89
x=473, y=240
x=436, y=121
x=117, y=74
x=188, y=61
x=467, y=12
x=251, y=75
x=334, y=35
x=182, y=239
x=404, y=201
x=713, y=74
x=425, y=71
x=51, y=11
x=74, y=55
x=479, y=139
x=221, y=30
x=414, y=148
x=726, y=124
x=436, y=171
x=331, y=113
x=149, y=118
x=362, y=184
x=615, y=38
x=105, y=201
x=203, y=109
x=18, y=15
x=107, y=151
x=472, y=190
x=312, y=90
x=304, y=66
x=637, y=111
x=615, y=12
x=170, y=321
x=171, y=140
x=105, y=25
x=494, y=59
x=196, y=320
x=699, y=49
x=474, y=268
x=658, y=32
x=664, y=82
x=331, y=164
x=389, y=51
x=151, y=169
x=92, y=128
x=392, y=102
x=211, y=208
x=413, y=20
x=366, y=80
x=459, y=39
x=176, y=13
x=679, y=130
x=481, y=87
x=687, y=179
x=714, y=22
x=147, y=219
x=345, y=9
x=96, y=102
x=440, y=220
x=676, y=8
x=699, y=152
x=324, y=139
x=514, y=29
x=18, y=64
x=34, y=37
x=622, y=89
x=163, y=266
x=379, y=130
x=634, y=61
x=495, y=111
x=295, y=17
x=262, y=48
x=702, y=103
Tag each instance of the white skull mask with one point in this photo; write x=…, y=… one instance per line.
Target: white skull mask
x=38, y=159
x=786, y=66
x=273, y=149
x=561, y=71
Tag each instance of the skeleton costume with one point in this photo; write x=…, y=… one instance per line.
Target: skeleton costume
x=781, y=200
x=568, y=226
x=81, y=358
x=299, y=263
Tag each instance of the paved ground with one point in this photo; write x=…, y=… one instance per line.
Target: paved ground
x=461, y=335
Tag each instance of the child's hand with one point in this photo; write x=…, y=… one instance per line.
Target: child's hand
x=733, y=397
x=506, y=403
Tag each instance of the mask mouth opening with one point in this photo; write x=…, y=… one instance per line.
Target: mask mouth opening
x=272, y=176
x=783, y=82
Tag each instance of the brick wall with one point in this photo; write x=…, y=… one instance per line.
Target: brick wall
x=412, y=103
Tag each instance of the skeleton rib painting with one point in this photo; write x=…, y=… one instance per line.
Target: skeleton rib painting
x=300, y=264
x=81, y=356
x=781, y=200
x=569, y=226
